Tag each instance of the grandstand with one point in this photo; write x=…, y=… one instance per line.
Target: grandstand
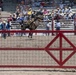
x=9, y=10
x=9, y=5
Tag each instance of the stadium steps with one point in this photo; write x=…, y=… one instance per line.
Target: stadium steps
x=15, y=25
x=65, y=25
x=9, y=5
x=68, y=24
x=25, y=72
x=4, y=15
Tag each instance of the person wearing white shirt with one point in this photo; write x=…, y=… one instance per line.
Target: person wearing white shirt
x=58, y=25
x=48, y=26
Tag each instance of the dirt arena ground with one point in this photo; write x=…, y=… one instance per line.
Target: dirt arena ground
x=17, y=57
x=16, y=72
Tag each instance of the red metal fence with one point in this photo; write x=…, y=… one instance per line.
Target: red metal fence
x=40, y=51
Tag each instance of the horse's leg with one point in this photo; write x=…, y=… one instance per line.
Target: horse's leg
x=23, y=28
x=30, y=35
x=34, y=26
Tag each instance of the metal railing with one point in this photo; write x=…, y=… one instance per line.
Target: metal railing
x=40, y=51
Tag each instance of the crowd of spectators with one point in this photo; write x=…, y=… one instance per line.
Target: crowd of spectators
x=65, y=12
x=24, y=13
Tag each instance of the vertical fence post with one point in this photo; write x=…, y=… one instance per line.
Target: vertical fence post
x=52, y=26
x=75, y=26
x=61, y=56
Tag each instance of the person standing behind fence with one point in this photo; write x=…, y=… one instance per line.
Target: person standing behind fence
x=3, y=28
x=8, y=25
x=58, y=25
x=48, y=26
x=45, y=19
x=0, y=25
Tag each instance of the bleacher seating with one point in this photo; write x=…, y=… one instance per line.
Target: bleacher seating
x=15, y=25
x=9, y=5
x=66, y=24
x=4, y=15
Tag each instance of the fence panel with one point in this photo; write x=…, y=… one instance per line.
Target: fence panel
x=40, y=51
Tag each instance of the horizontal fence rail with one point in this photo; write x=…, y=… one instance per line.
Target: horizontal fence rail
x=41, y=51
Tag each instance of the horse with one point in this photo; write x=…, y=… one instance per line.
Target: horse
x=31, y=25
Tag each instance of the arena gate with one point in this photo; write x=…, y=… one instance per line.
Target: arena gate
x=41, y=51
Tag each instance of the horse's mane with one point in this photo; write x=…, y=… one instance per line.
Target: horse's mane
x=30, y=22
x=37, y=18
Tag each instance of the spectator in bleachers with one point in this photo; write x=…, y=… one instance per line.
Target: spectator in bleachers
x=14, y=17
x=65, y=10
x=69, y=10
x=17, y=11
x=58, y=10
x=26, y=18
x=39, y=13
x=68, y=13
x=45, y=12
x=74, y=15
x=22, y=6
x=45, y=17
x=53, y=13
x=61, y=6
x=57, y=17
x=20, y=19
x=10, y=18
x=24, y=12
